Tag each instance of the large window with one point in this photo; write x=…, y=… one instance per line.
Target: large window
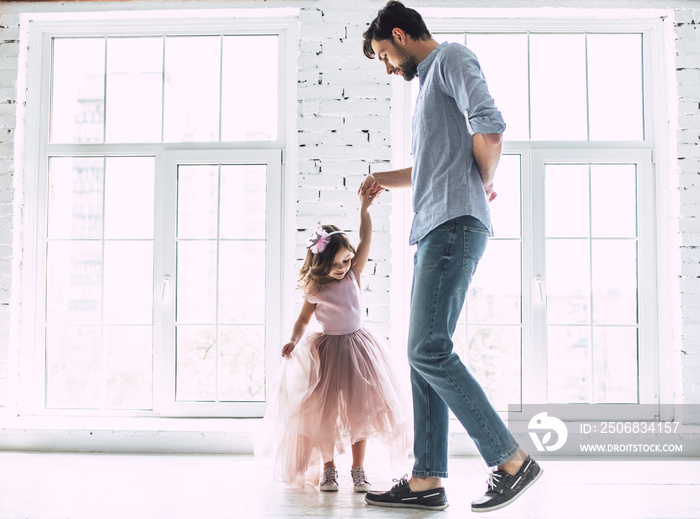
x=99, y=282
x=158, y=207
x=165, y=89
x=562, y=307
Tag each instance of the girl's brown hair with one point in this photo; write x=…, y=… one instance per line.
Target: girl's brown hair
x=316, y=268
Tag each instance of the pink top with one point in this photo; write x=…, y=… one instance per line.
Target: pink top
x=338, y=306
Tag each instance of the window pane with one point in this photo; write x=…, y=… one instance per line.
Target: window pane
x=73, y=367
x=558, y=87
x=249, y=96
x=196, y=282
x=242, y=363
x=505, y=209
x=192, y=78
x=77, y=94
x=242, y=282
x=568, y=364
x=503, y=59
x=450, y=37
x=196, y=363
x=566, y=201
x=615, y=363
x=128, y=282
x=134, y=89
x=615, y=281
x=243, y=202
x=75, y=197
x=74, y=282
x=495, y=360
x=129, y=197
x=568, y=281
x=128, y=352
x=614, y=199
x=615, y=86
x=197, y=201
x=494, y=294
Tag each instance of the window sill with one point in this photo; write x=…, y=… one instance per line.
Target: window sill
x=161, y=435
x=152, y=435
x=138, y=435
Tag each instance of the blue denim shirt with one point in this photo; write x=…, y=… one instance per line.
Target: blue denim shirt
x=445, y=179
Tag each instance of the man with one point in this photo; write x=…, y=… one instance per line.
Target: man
x=452, y=180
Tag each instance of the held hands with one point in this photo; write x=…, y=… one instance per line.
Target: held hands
x=288, y=348
x=369, y=187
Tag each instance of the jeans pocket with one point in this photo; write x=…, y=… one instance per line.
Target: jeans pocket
x=475, y=240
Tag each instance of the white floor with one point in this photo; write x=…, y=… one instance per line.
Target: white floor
x=95, y=486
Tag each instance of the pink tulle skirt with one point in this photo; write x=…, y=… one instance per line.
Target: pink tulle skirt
x=334, y=391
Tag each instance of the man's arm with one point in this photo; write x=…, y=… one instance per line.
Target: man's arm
x=465, y=83
x=375, y=183
x=487, y=152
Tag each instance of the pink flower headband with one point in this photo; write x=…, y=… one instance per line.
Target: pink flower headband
x=319, y=240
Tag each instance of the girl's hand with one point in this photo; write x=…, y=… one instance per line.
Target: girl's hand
x=288, y=348
x=366, y=199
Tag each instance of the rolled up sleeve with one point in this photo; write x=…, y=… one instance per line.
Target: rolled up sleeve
x=463, y=80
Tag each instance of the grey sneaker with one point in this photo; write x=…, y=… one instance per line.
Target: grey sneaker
x=359, y=480
x=329, y=482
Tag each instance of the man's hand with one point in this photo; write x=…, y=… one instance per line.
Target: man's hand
x=490, y=193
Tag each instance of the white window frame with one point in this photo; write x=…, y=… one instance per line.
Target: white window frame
x=534, y=269
x=165, y=379
x=654, y=235
x=43, y=27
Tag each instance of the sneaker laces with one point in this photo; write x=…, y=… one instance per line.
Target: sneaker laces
x=399, y=482
x=358, y=476
x=494, y=480
x=328, y=475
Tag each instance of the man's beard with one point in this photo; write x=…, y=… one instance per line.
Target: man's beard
x=409, y=67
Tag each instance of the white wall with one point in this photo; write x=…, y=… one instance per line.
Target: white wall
x=9, y=207
x=687, y=34
x=343, y=123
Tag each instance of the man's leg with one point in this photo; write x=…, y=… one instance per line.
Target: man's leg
x=430, y=425
x=445, y=261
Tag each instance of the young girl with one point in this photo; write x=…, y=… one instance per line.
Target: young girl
x=338, y=386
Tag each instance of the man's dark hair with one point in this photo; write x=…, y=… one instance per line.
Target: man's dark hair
x=394, y=15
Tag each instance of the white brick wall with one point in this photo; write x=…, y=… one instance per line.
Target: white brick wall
x=687, y=32
x=343, y=123
x=9, y=52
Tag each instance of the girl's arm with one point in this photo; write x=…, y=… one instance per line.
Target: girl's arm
x=362, y=249
x=307, y=310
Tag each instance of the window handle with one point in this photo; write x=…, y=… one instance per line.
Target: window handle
x=164, y=289
x=540, y=288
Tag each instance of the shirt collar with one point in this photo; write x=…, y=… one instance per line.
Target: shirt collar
x=424, y=65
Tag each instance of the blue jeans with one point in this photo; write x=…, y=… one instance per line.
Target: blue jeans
x=443, y=266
